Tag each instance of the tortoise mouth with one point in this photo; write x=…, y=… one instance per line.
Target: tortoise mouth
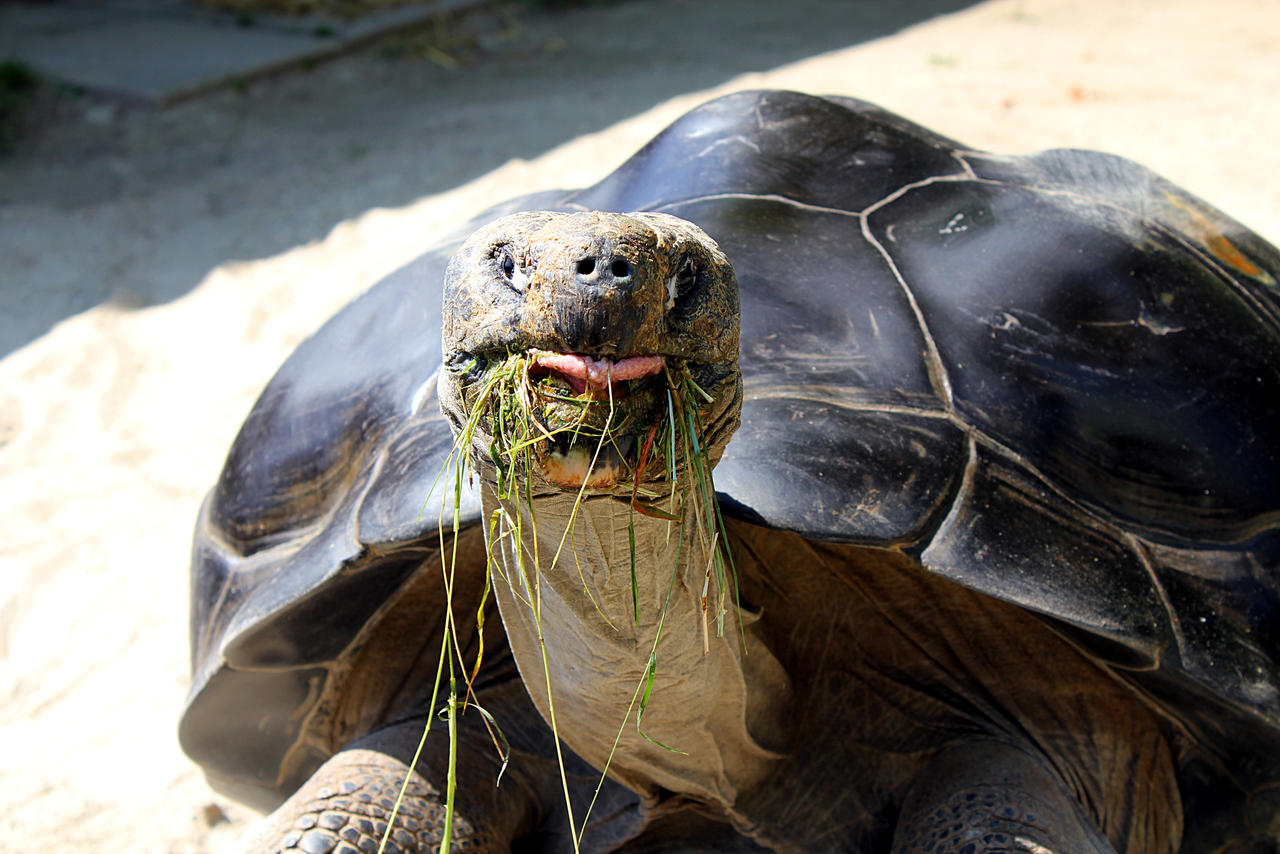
x=603, y=379
x=574, y=420
x=581, y=451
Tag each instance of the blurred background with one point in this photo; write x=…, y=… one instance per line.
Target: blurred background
x=187, y=190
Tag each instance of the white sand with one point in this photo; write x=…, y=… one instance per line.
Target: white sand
x=114, y=423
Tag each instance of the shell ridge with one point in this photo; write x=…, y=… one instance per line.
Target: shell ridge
x=963, y=487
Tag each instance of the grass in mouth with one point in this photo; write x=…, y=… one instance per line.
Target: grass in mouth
x=520, y=413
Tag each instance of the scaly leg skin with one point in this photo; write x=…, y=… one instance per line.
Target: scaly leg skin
x=987, y=797
x=345, y=806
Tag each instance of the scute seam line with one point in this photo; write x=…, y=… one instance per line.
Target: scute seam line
x=766, y=197
x=933, y=358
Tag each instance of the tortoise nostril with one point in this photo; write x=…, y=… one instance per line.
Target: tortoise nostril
x=620, y=269
x=586, y=266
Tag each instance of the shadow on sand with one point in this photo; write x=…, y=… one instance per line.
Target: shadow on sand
x=138, y=206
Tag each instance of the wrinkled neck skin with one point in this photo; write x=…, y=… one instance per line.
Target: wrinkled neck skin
x=721, y=708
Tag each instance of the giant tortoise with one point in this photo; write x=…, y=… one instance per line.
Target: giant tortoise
x=991, y=559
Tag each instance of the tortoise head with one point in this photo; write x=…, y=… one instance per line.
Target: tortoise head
x=577, y=346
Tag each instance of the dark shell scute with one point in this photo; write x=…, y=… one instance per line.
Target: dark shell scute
x=824, y=360
x=1225, y=608
x=842, y=326
x=228, y=723
x=1011, y=537
x=1101, y=350
x=865, y=476
x=1122, y=183
x=321, y=425
x=413, y=491
x=316, y=628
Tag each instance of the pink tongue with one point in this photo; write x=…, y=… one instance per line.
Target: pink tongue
x=598, y=373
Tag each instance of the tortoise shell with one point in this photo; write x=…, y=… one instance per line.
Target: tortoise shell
x=1053, y=379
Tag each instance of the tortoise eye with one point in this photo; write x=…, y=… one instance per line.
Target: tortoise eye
x=510, y=270
x=682, y=282
x=686, y=274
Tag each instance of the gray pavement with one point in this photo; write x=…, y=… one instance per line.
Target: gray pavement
x=161, y=51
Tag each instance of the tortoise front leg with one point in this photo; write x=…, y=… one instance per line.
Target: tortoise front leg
x=345, y=807
x=987, y=797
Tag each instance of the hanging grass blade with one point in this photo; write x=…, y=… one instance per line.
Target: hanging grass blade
x=693, y=385
x=635, y=584
x=725, y=555
x=499, y=740
x=475, y=670
x=650, y=672
x=706, y=584
x=654, y=512
x=641, y=465
x=451, y=785
x=422, y=742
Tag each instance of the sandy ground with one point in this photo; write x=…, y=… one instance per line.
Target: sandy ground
x=179, y=256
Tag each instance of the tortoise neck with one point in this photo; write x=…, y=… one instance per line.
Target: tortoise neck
x=603, y=560
x=590, y=628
